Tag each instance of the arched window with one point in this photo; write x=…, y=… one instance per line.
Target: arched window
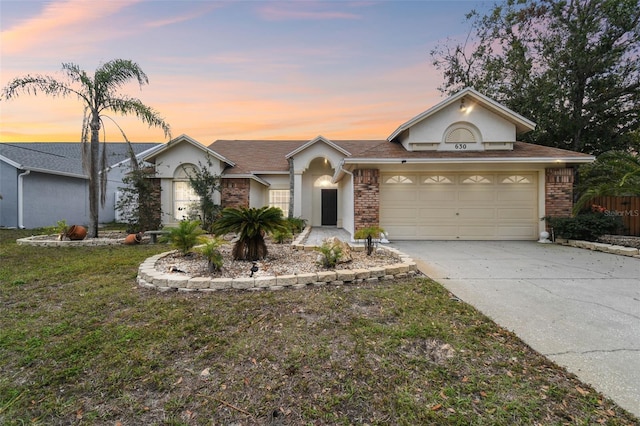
x=437, y=179
x=324, y=182
x=516, y=179
x=398, y=179
x=476, y=179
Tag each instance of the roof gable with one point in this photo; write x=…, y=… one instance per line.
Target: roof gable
x=468, y=115
x=316, y=140
x=183, y=138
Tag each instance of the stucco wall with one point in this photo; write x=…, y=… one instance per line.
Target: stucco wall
x=490, y=126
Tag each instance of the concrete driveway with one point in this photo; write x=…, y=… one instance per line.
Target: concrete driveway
x=579, y=308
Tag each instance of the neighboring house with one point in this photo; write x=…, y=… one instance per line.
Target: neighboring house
x=42, y=183
x=455, y=171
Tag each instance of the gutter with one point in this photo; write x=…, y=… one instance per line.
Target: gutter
x=21, y=199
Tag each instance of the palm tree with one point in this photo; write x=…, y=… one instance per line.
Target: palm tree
x=98, y=93
x=614, y=173
x=251, y=225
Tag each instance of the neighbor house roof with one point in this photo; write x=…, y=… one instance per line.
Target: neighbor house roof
x=270, y=156
x=62, y=158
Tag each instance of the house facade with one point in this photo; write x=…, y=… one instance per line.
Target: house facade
x=43, y=183
x=454, y=172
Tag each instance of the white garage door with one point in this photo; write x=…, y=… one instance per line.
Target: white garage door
x=464, y=206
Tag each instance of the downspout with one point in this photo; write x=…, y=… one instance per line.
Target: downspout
x=291, y=187
x=21, y=199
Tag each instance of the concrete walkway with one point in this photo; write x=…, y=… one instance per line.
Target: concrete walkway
x=579, y=308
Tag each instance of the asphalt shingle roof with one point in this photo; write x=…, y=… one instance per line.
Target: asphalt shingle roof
x=270, y=155
x=63, y=157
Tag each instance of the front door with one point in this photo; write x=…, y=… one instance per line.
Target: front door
x=329, y=207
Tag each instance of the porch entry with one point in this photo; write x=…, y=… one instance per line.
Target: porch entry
x=329, y=207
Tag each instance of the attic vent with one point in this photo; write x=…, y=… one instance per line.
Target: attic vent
x=460, y=135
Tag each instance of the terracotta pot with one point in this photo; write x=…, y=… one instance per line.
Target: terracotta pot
x=132, y=239
x=76, y=232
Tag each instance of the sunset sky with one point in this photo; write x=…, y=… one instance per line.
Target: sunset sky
x=234, y=69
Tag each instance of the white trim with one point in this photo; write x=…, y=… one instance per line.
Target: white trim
x=185, y=138
x=318, y=138
x=558, y=160
x=246, y=176
x=523, y=125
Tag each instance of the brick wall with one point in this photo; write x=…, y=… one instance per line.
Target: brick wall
x=235, y=192
x=558, y=192
x=366, y=198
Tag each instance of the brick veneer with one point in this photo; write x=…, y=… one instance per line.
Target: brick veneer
x=366, y=198
x=235, y=192
x=558, y=192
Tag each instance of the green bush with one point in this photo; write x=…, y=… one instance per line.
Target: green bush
x=280, y=237
x=186, y=235
x=213, y=255
x=587, y=226
x=296, y=224
x=330, y=254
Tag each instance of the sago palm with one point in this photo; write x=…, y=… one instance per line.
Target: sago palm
x=99, y=93
x=251, y=225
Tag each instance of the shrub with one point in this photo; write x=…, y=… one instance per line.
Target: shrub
x=368, y=234
x=280, y=237
x=296, y=224
x=186, y=235
x=587, y=226
x=213, y=255
x=330, y=254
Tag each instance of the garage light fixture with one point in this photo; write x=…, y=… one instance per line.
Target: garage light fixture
x=463, y=107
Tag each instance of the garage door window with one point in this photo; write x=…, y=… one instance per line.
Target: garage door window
x=476, y=179
x=438, y=179
x=516, y=179
x=399, y=179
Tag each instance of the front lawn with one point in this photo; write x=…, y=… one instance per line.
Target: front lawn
x=81, y=343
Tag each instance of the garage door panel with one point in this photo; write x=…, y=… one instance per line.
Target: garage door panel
x=400, y=232
x=429, y=214
x=484, y=195
x=520, y=232
x=526, y=196
x=399, y=213
x=477, y=213
x=476, y=231
x=402, y=196
x=474, y=206
x=514, y=213
x=437, y=196
x=437, y=231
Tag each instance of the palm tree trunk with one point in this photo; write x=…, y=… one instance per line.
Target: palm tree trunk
x=94, y=183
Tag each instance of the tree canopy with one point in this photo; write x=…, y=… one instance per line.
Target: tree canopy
x=572, y=66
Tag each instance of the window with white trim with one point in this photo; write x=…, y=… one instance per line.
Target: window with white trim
x=437, y=179
x=280, y=198
x=477, y=179
x=516, y=179
x=398, y=179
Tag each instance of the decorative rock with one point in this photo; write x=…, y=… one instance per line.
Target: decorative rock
x=199, y=283
x=286, y=280
x=326, y=276
x=307, y=278
x=243, y=283
x=220, y=283
x=266, y=282
x=345, y=275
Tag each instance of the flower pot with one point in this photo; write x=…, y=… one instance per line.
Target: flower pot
x=76, y=232
x=132, y=239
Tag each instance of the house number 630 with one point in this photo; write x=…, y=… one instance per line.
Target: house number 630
x=461, y=146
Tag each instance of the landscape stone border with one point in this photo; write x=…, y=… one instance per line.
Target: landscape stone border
x=150, y=277
x=607, y=248
x=38, y=241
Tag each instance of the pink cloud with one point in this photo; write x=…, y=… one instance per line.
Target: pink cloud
x=58, y=21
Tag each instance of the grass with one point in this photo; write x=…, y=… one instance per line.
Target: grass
x=81, y=343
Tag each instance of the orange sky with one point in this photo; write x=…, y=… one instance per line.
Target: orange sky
x=233, y=70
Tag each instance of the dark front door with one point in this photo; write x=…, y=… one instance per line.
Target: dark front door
x=329, y=207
